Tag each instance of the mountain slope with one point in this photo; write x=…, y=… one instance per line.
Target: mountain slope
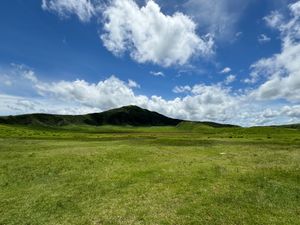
x=128, y=115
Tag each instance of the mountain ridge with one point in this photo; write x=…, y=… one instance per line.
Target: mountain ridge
x=127, y=115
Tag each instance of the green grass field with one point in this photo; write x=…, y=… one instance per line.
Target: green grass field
x=190, y=174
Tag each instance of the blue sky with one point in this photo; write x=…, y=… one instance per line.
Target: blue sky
x=224, y=61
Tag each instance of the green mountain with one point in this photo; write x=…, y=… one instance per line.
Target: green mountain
x=128, y=115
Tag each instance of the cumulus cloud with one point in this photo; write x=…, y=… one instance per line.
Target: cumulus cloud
x=14, y=105
x=282, y=69
x=146, y=33
x=84, y=9
x=201, y=101
x=278, y=115
x=291, y=111
x=149, y=35
x=106, y=94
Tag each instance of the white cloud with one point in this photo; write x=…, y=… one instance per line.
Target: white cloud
x=157, y=74
x=226, y=70
x=282, y=69
x=278, y=115
x=295, y=9
x=201, y=103
x=263, y=39
x=229, y=79
x=259, y=70
x=14, y=105
x=274, y=19
x=182, y=89
x=291, y=111
x=133, y=84
x=84, y=9
x=17, y=79
x=151, y=36
x=106, y=94
x=29, y=75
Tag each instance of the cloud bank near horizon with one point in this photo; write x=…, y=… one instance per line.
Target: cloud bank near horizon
x=199, y=102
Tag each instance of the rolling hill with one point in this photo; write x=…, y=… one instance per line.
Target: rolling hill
x=128, y=115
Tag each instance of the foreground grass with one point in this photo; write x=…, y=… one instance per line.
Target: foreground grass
x=163, y=175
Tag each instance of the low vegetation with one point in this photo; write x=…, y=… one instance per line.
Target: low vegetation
x=188, y=174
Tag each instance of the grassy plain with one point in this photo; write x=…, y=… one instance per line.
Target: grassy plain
x=190, y=174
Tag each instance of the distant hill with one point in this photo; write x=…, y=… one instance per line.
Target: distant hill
x=292, y=126
x=128, y=115
x=189, y=125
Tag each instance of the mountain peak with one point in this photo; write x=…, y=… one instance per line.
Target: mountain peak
x=132, y=107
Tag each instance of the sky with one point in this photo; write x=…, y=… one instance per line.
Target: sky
x=227, y=61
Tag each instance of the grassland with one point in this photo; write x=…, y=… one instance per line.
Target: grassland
x=189, y=174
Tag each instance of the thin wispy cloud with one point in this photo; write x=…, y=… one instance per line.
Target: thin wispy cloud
x=263, y=39
x=157, y=74
x=218, y=17
x=83, y=9
x=229, y=79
